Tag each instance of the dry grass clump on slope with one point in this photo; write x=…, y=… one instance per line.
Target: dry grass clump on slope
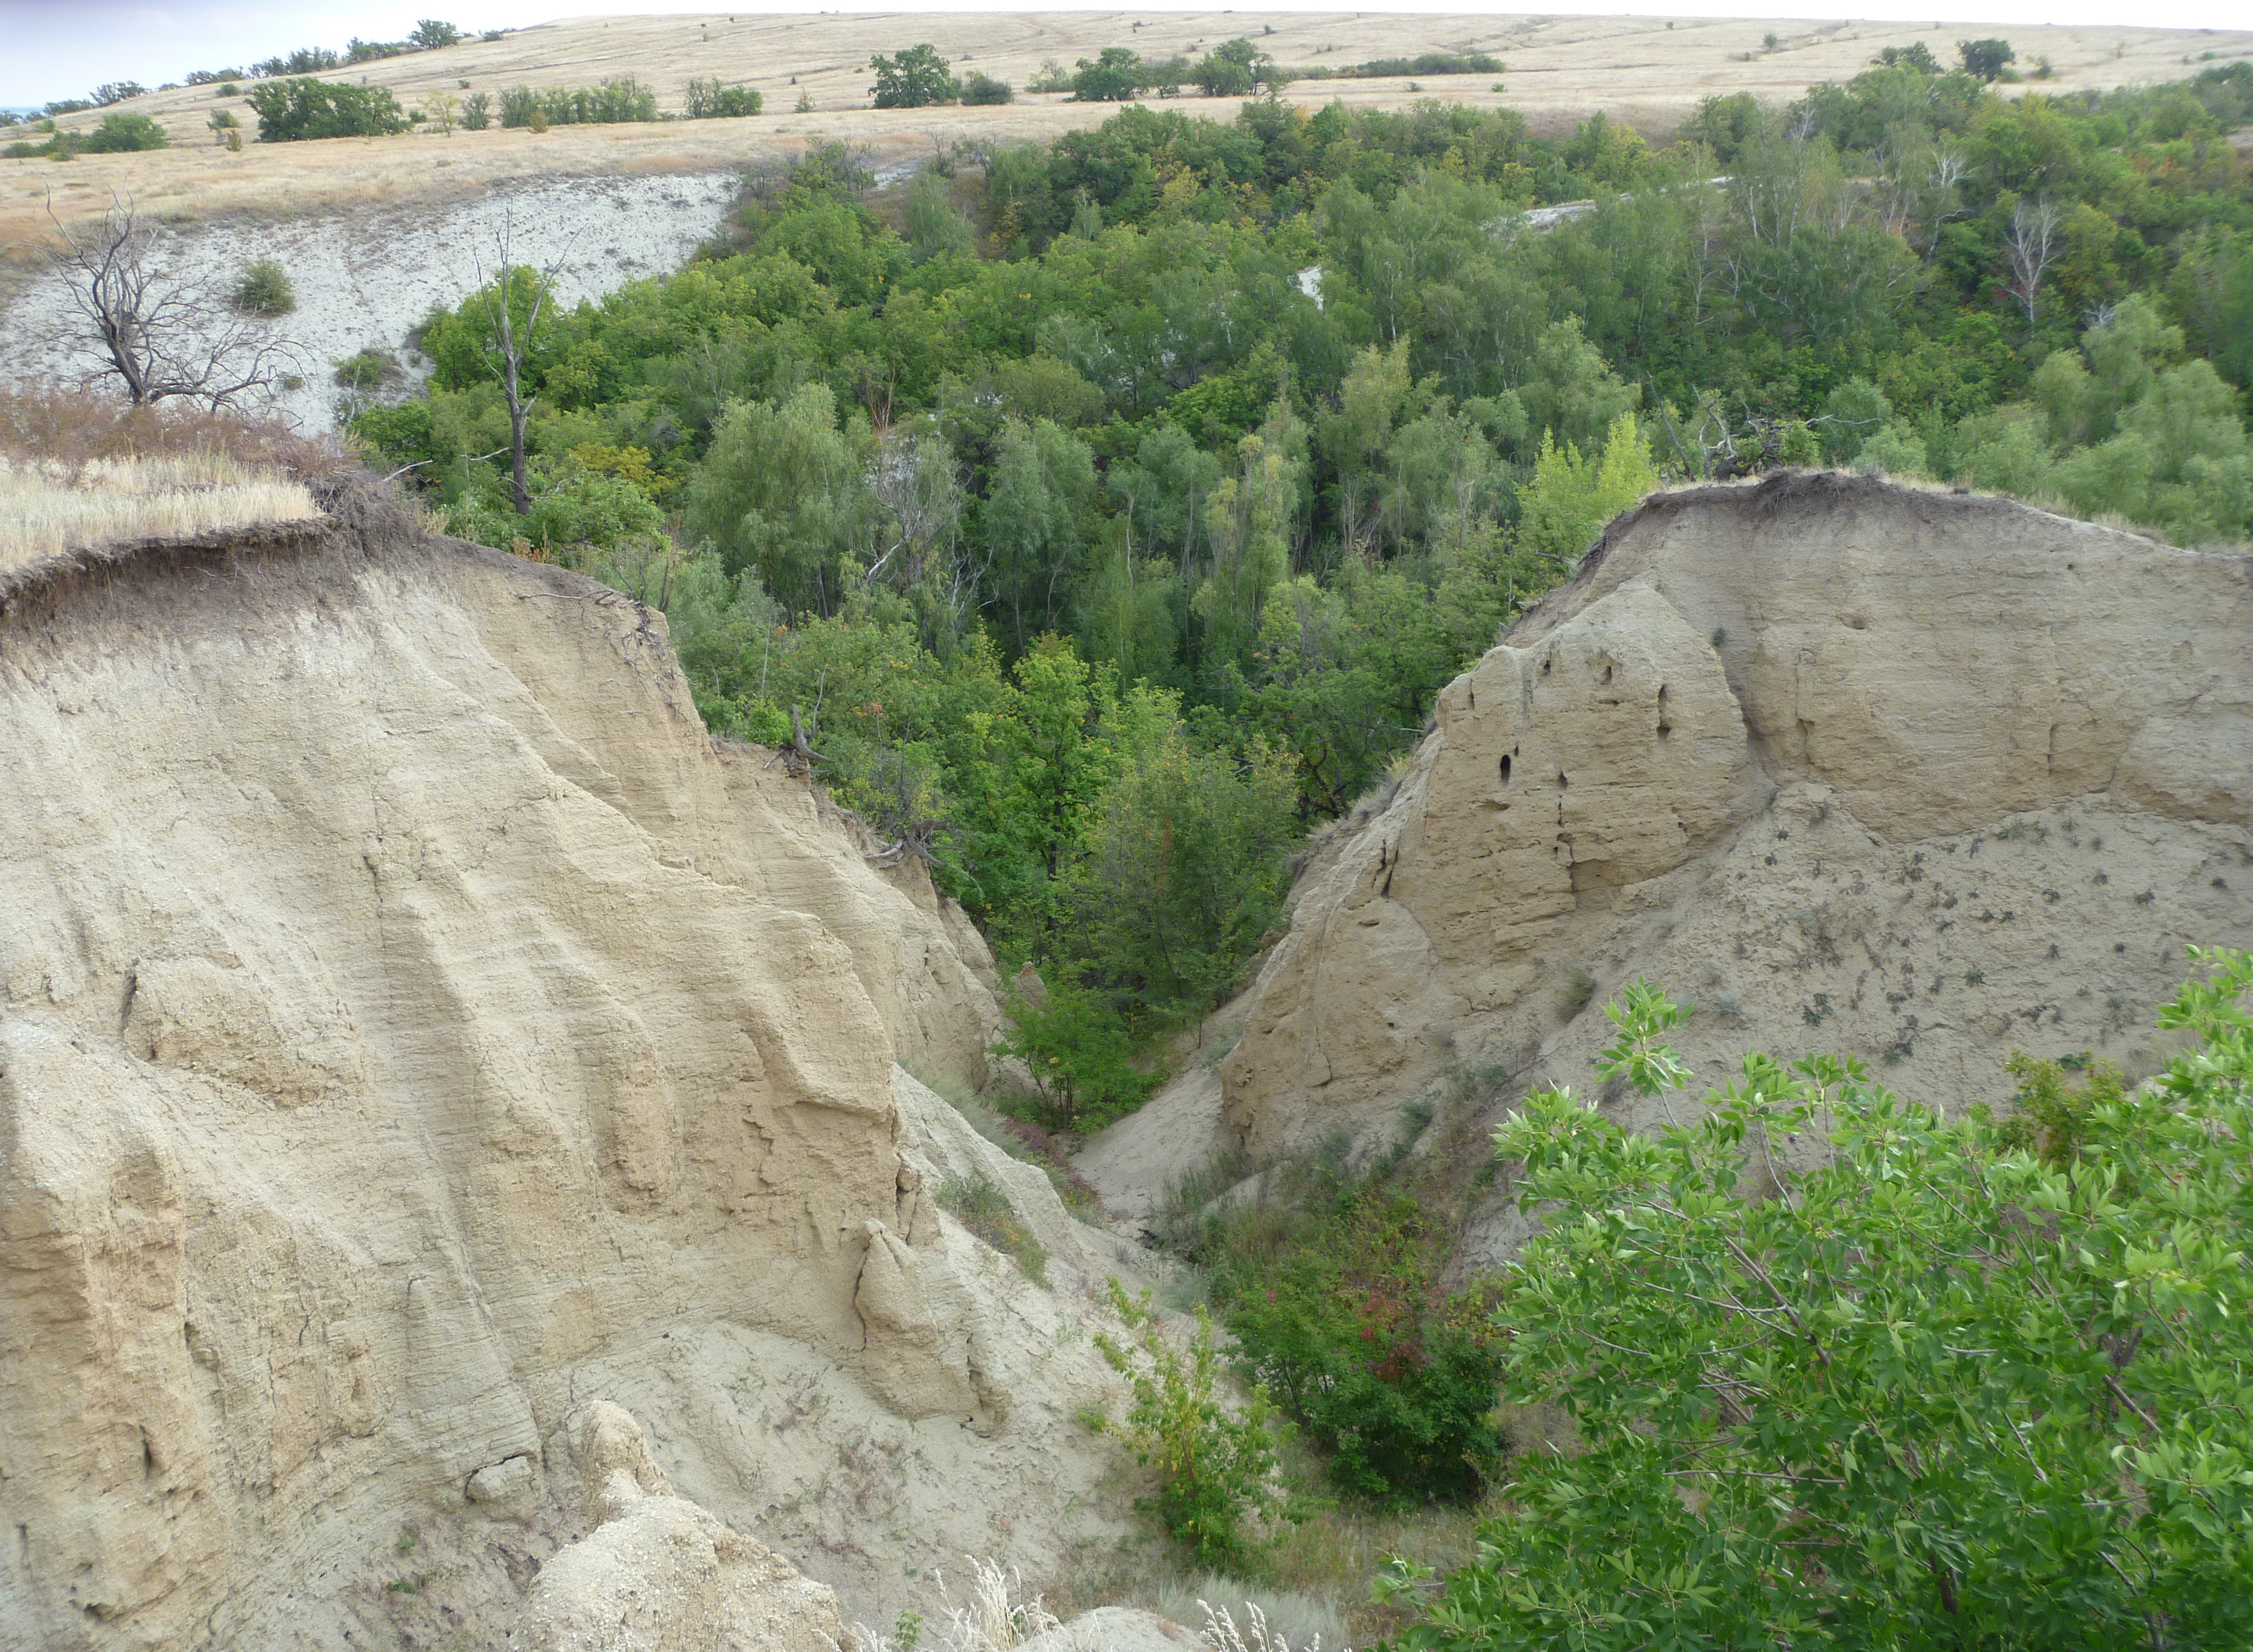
x=44, y=510
x=76, y=471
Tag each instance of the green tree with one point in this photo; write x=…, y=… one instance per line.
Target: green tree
x=1985, y=59
x=292, y=110
x=1231, y=69
x=1117, y=75
x=1037, y=521
x=712, y=100
x=429, y=34
x=1199, y=837
x=1947, y=1384
x=917, y=78
x=1570, y=498
x=1916, y=55
x=784, y=493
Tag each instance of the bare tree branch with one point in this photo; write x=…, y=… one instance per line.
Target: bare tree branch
x=505, y=351
x=158, y=335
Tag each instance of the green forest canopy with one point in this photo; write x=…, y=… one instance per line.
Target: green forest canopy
x=1182, y=459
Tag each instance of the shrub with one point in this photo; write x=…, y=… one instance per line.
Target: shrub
x=985, y=1209
x=709, y=100
x=1080, y=1053
x=1053, y=77
x=1956, y=1385
x=1351, y=1331
x=1985, y=59
x=305, y=60
x=477, y=111
x=1427, y=63
x=123, y=134
x=1213, y=1467
x=263, y=289
x=370, y=369
x=295, y=110
x=982, y=88
x=620, y=100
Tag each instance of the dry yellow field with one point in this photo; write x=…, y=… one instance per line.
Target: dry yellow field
x=1646, y=70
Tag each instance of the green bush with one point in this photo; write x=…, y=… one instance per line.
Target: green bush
x=983, y=88
x=369, y=370
x=477, y=111
x=123, y=134
x=1351, y=1331
x=1954, y=1384
x=1081, y=1054
x=707, y=100
x=620, y=100
x=263, y=289
x=1117, y=75
x=296, y=110
x=1215, y=1467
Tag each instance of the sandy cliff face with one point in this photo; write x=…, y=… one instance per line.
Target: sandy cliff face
x=1849, y=766
x=412, y=1031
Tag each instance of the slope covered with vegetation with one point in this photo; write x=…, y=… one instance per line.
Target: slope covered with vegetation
x=1102, y=514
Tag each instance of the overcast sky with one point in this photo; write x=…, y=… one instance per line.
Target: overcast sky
x=62, y=48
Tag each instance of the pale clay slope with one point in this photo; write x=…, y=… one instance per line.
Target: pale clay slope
x=412, y=1031
x=1849, y=766
x=364, y=278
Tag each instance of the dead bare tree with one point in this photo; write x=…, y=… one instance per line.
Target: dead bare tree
x=2029, y=249
x=159, y=335
x=506, y=344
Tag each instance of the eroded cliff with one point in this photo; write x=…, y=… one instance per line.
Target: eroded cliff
x=1848, y=765
x=413, y=1031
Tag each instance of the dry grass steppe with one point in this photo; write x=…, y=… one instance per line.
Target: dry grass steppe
x=1651, y=72
x=44, y=512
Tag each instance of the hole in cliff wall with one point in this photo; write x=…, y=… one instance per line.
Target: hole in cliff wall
x=1505, y=768
x=1665, y=723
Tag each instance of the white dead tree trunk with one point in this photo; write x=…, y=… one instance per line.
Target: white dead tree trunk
x=2030, y=248
x=506, y=344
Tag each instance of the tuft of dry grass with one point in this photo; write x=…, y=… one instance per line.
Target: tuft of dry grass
x=77, y=471
x=46, y=509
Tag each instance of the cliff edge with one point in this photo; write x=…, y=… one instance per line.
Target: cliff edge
x=1846, y=765
x=414, y=1031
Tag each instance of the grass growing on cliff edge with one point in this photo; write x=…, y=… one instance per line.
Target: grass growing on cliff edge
x=45, y=510
x=78, y=470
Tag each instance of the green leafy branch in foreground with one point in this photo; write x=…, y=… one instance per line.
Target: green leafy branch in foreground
x=1938, y=1391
